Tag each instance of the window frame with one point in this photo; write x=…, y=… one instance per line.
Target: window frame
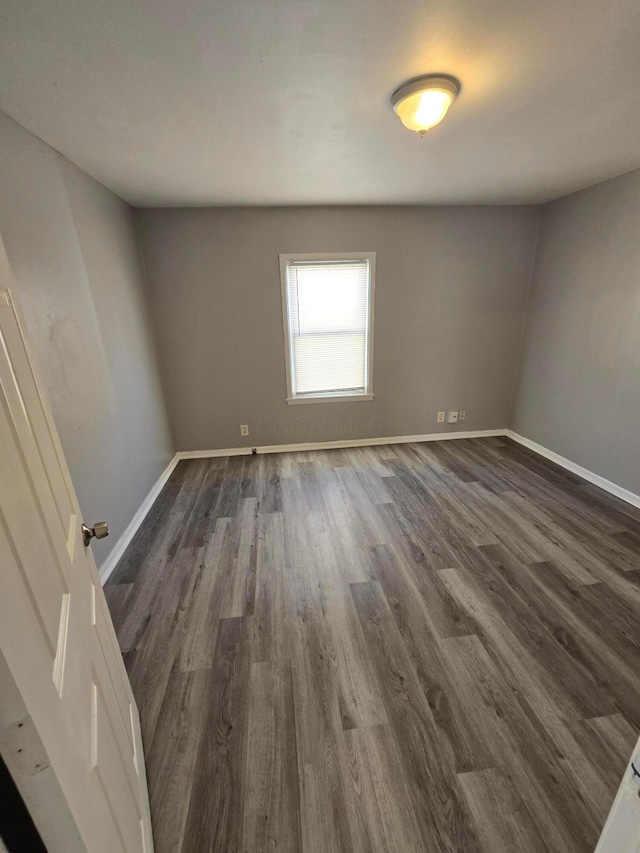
x=331, y=396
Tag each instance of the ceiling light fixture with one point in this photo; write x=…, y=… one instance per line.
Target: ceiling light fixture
x=422, y=103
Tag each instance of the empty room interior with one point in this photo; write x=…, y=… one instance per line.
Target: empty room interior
x=319, y=426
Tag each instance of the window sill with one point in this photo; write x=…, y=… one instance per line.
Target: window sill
x=329, y=398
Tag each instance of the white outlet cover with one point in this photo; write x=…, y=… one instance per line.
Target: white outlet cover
x=453, y=418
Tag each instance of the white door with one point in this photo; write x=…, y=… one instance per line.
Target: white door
x=69, y=726
x=621, y=833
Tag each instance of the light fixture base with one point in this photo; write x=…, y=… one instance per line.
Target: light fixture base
x=423, y=102
x=426, y=81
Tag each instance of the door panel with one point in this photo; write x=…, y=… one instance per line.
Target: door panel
x=32, y=545
x=59, y=649
x=101, y=622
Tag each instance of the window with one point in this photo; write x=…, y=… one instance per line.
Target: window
x=327, y=303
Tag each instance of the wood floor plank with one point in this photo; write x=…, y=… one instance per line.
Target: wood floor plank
x=459, y=736
x=248, y=473
x=597, y=553
x=457, y=504
x=543, y=467
x=270, y=636
x=519, y=742
x=270, y=483
x=328, y=594
x=117, y=594
x=328, y=815
x=535, y=542
x=240, y=593
x=444, y=822
x=383, y=795
x=346, y=543
x=537, y=685
x=164, y=534
x=420, y=647
x=579, y=685
x=195, y=471
x=608, y=741
x=171, y=761
x=146, y=596
x=184, y=481
x=203, y=613
x=410, y=504
x=311, y=477
x=610, y=505
x=372, y=474
x=581, y=634
x=205, y=508
x=271, y=818
x=215, y=817
x=501, y=818
x=297, y=536
x=151, y=664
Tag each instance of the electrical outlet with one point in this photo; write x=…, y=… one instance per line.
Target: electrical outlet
x=244, y=429
x=441, y=417
x=462, y=415
x=453, y=418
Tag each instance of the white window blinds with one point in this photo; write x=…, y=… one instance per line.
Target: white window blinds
x=328, y=305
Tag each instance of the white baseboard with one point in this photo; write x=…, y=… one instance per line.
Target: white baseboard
x=596, y=479
x=121, y=545
x=329, y=445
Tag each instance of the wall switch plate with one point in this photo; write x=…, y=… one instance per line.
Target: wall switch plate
x=462, y=415
x=453, y=418
x=440, y=417
x=244, y=429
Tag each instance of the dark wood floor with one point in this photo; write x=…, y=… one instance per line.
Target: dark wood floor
x=427, y=647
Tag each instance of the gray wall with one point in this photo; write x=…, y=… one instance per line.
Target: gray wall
x=579, y=387
x=450, y=296
x=80, y=282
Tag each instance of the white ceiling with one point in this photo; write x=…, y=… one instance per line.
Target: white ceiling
x=224, y=102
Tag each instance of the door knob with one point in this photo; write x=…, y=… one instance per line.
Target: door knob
x=99, y=530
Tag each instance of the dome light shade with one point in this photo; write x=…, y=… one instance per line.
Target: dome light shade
x=422, y=103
